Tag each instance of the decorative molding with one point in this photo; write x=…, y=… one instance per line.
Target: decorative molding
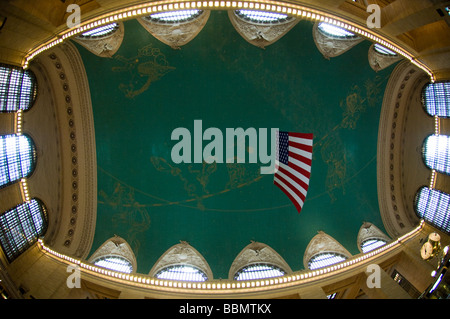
x=402, y=91
x=332, y=47
x=370, y=231
x=261, y=34
x=322, y=243
x=255, y=253
x=105, y=46
x=115, y=246
x=182, y=254
x=178, y=34
x=380, y=61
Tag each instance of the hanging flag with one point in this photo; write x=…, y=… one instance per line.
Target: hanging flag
x=293, y=165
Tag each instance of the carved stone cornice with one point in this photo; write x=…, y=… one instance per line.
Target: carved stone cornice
x=380, y=61
x=178, y=34
x=322, y=243
x=332, y=47
x=370, y=231
x=115, y=246
x=182, y=254
x=255, y=253
x=104, y=46
x=261, y=34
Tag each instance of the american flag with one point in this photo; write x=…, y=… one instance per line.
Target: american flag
x=293, y=165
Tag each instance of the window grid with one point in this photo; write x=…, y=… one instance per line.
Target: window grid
x=21, y=226
x=258, y=271
x=101, y=31
x=371, y=244
x=325, y=259
x=436, y=153
x=17, y=89
x=115, y=263
x=262, y=16
x=17, y=158
x=335, y=31
x=383, y=50
x=182, y=273
x=434, y=207
x=175, y=16
x=436, y=99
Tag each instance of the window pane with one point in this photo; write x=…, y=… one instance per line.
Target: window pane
x=101, y=31
x=436, y=98
x=259, y=271
x=174, y=16
x=383, y=50
x=436, y=152
x=21, y=226
x=182, y=272
x=17, y=158
x=324, y=260
x=434, y=207
x=17, y=89
x=334, y=31
x=115, y=263
x=372, y=244
x=262, y=16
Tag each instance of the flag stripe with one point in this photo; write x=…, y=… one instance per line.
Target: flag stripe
x=288, y=194
x=300, y=191
x=308, y=136
x=293, y=164
x=300, y=161
x=300, y=179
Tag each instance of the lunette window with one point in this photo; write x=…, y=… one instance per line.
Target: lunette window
x=18, y=89
x=436, y=99
x=371, y=244
x=262, y=16
x=258, y=271
x=21, y=226
x=100, y=32
x=182, y=273
x=436, y=153
x=335, y=31
x=383, y=50
x=325, y=259
x=17, y=158
x=174, y=16
x=115, y=263
x=434, y=207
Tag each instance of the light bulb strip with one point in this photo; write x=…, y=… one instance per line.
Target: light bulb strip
x=296, y=11
x=230, y=286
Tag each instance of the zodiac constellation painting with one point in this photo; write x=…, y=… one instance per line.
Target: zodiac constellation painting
x=148, y=66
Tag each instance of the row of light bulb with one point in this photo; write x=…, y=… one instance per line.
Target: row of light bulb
x=164, y=6
x=267, y=283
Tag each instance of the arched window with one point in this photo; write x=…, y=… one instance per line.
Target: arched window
x=21, y=226
x=174, y=16
x=371, y=244
x=383, y=50
x=434, y=207
x=262, y=16
x=17, y=158
x=116, y=263
x=182, y=272
x=335, y=31
x=436, y=99
x=100, y=32
x=18, y=89
x=258, y=271
x=325, y=259
x=436, y=153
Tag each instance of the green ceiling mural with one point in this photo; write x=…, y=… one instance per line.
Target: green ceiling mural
x=147, y=89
